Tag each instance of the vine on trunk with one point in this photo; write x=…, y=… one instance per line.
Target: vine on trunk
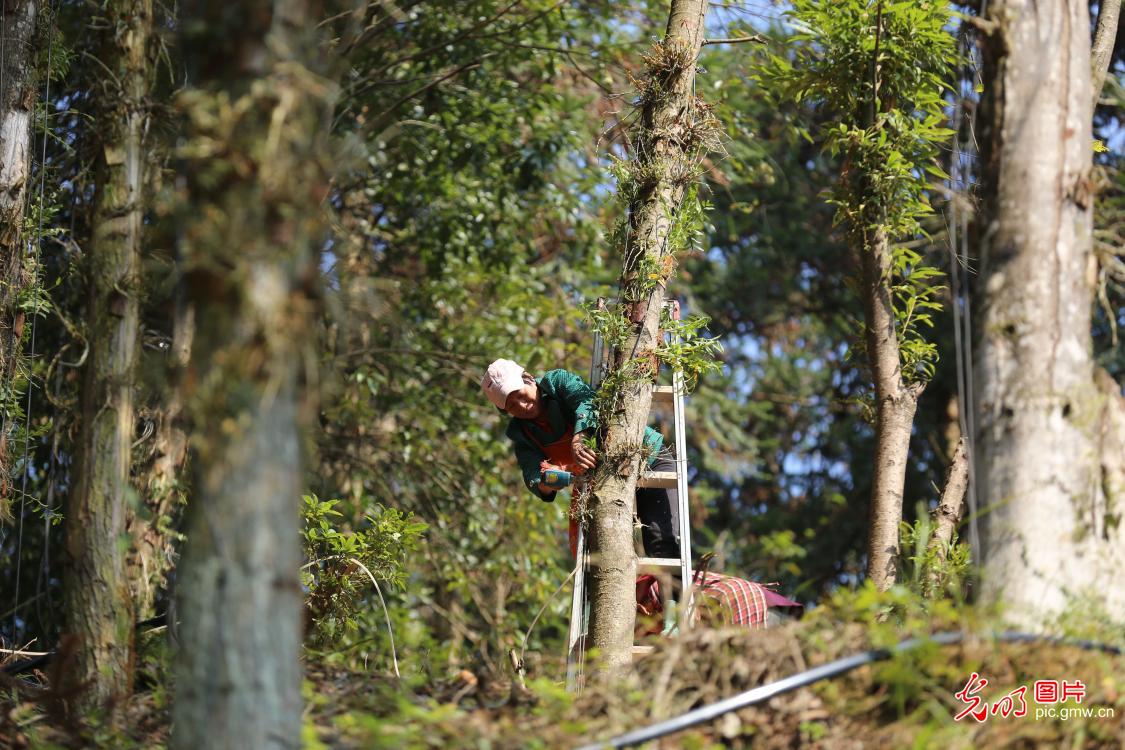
x=647, y=268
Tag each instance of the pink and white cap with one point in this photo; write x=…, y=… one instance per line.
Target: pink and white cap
x=502, y=378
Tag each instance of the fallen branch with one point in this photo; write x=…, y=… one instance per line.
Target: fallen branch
x=18, y=652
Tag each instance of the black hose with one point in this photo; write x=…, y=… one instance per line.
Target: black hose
x=808, y=677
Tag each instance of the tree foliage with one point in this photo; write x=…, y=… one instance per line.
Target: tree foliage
x=881, y=68
x=474, y=150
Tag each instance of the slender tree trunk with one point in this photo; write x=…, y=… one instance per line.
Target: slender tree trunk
x=17, y=99
x=99, y=604
x=1049, y=518
x=255, y=178
x=663, y=156
x=161, y=480
x=895, y=404
x=948, y=515
x=1110, y=436
x=1109, y=12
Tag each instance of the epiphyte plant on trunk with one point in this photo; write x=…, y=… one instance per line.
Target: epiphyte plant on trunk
x=18, y=87
x=879, y=70
x=255, y=165
x=1050, y=442
x=99, y=596
x=674, y=130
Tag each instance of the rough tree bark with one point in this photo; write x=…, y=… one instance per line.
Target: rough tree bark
x=99, y=605
x=255, y=177
x=160, y=478
x=948, y=514
x=1050, y=513
x=1109, y=12
x=895, y=404
x=662, y=156
x=17, y=100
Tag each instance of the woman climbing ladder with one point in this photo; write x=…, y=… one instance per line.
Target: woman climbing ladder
x=550, y=417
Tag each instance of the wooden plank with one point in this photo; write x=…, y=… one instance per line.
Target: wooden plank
x=658, y=562
x=659, y=479
x=663, y=394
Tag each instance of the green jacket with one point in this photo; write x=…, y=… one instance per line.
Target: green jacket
x=567, y=401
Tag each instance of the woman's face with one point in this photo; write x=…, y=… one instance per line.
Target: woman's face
x=524, y=403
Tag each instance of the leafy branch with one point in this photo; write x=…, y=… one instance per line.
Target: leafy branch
x=880, y=70
x=341, y=560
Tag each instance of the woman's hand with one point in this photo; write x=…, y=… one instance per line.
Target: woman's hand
x=583, y=456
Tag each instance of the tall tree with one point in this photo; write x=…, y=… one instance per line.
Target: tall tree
x=99, y=604
x=1046, y=468
x=255, y=176
x=17, y=100
x=879, y=70
x=672, y=129
x=776, y=292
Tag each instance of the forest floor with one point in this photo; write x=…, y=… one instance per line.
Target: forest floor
x=907, y=701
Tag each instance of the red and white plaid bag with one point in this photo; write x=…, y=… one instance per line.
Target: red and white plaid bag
x=720, y=600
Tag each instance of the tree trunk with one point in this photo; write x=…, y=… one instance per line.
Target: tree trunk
x=161, y=480
x=1111, y=449
x=1049, y=527
x=99, y=604
x=1105, y=35
x=663, y=156
x=895, y=404
x=255, y=178
x=948, y=515
x=17, y=100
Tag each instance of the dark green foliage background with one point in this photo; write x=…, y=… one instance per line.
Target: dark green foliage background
x=470, y=213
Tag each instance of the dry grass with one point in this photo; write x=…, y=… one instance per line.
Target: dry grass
x=905, y=702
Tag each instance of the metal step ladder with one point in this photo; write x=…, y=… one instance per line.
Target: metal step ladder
x=579, y=608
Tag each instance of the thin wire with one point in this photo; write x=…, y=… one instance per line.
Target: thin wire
x=386, y=612
x=35, y=312
x=546, y=603
x=580, y=672
x=956, y=187
x=970, y=415
x=962, y=322
x=44, y=578
x=967, y=338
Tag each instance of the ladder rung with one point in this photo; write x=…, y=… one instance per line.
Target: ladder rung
x=638, y=650
x=663, y=394
x=660, y=479
x=658, y=562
